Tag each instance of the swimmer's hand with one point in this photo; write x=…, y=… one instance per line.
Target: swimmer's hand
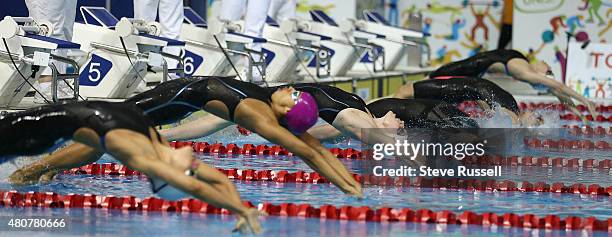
x=359, y=196
x=355, y=192
x=592, y=109
x=249, y=221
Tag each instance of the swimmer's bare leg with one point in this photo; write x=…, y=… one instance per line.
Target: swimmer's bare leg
x=217, y=180
x=201, y=127
x=405, y=91
x=73, y=156
x=139, y=153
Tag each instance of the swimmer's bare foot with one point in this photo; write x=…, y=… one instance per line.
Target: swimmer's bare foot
x=249, y=221
x=47, y=177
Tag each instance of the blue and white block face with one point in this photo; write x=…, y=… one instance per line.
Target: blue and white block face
x=269, y=55
x=192, y=62
x=370, y=55
x=95, y=71
x=324, y=55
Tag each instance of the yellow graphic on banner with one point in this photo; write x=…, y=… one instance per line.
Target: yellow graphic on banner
x=304, y=7
x=537, y=6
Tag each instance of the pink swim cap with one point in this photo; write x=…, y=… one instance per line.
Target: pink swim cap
x=303, y=115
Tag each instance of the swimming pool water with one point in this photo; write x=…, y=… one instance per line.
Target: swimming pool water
x=99, y=222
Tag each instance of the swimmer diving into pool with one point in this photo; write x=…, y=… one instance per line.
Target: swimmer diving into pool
x=344, y=111
x=423, y=113
x=515, y=64
x=282, y=117
x=123, y=131
x=414, y=113
x=458, y=89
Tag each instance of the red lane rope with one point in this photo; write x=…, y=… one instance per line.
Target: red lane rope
x=284, y=176
x=251, y=149
x=475, y=113
x=349, y=153
x=473, y=110
x=325, y=212
x=600, y=118
x=554, y=106
x=537, y=161
x=563, y=144
x=560, y=107
x=588, y=131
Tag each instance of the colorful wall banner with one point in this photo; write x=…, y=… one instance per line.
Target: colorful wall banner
x=458, y=29
x=589, y=69
x=541, y=28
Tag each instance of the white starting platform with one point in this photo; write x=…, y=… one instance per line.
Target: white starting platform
x=119, y=53
x=24, y=53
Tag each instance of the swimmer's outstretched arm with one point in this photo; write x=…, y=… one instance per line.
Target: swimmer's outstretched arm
x=310, y=155
x=353, y=122
x=324, y=132
x=569, y=103
x=521, y=70
x=201, y=127
x=331, y=160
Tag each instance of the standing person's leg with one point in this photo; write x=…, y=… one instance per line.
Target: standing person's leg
x=232, y=10
x=171, y=20
x=254, y=21
x=61, y=14
x=70, y=17
x=146, y=9
x=281, y=10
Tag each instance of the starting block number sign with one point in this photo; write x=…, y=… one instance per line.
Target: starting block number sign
x=191, y=62
x=95, y=71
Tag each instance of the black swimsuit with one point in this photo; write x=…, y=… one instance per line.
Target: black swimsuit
x=174, y=100
x=330, y=100
x=478, y=64
x=457, y=90
x=37, y=130
x=423, y=113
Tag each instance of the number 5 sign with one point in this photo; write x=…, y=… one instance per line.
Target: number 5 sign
x=93, y=73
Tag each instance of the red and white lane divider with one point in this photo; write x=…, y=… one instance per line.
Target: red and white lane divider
x=251, y=149
x=324, y=212
x=588, y=131
x=476, y=113
x=551, y=106
x=284, y=176
x=537, y=161
x=349, y=153
x=563, y=144
x=600, y=118
x=473, y=110
x=560, y=107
